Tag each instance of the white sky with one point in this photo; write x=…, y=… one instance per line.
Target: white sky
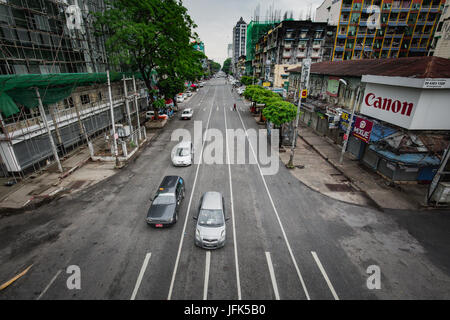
x=216, y=18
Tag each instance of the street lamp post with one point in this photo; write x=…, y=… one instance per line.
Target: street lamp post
x=304, y=80
x=349, y=127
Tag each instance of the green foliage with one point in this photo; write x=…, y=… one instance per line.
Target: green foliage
x=149, y=36
x=276, y=110
x=227, y=66
x=159, y=104
x=214, y=67
x=246, y=80
x=279, y=112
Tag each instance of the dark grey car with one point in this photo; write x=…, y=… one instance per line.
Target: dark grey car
x=166, y=203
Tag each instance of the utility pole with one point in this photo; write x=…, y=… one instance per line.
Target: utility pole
x=137, y=108
x=304, y=81
x=111, y=107
x=127, y=104
x=50, y=137
x=349, y=128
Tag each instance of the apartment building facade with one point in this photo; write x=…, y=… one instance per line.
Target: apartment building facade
x=287, y=44
x=440, y=46
x=239, y=42
x=51, y=38
x=395, y=28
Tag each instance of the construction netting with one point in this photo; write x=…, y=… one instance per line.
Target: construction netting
x=255, y=30
x=52, y=87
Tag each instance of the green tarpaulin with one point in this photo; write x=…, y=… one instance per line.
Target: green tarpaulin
x=52, y=87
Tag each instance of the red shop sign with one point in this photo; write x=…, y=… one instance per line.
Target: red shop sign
x=362, y=129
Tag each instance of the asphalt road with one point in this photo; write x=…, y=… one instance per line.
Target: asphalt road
x=284, y=241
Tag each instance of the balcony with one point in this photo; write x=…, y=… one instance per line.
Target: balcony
x=435, y=8
x=316, y=46
x=301, y=55
x=346, y=8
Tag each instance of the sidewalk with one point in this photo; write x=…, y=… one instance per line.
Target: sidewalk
x=79, y=173
x=351, y=181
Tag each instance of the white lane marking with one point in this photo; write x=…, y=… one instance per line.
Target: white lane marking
x=49, y=285
x=207, y=265
x=217, y=107
x=232, y=210
x=272, y=276
x=276, y=212
x=324, y=274
x=141, y=275
x=172, y=282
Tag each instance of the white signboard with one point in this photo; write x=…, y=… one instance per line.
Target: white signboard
x=409, y=108
x=394, y=105
x=435, y=83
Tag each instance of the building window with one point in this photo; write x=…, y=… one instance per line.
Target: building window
x=68, y=103
x=85, y=99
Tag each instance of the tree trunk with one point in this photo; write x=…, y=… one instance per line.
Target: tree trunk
x=281, y=136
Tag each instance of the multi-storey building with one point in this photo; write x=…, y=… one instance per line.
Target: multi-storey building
x=50, y=37
x=287, y=44
x=239, y=42
x=55, y=37
x=397, y=28
x=440, y=46
x=328, y=12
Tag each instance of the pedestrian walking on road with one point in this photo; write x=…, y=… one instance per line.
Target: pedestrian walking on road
x=234, y=107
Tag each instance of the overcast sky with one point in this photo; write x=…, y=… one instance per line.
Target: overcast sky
x=216, y=18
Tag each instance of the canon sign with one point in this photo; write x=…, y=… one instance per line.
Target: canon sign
x=387, y=104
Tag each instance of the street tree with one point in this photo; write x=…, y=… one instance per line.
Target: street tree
x=227, y=66
x=149, y=36
x=279, y=112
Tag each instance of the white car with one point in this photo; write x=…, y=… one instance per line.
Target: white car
x=187, y=114
x=183, y=154
x=149, y=115
x=189, y=93
x=210, y=232
x=180, y=98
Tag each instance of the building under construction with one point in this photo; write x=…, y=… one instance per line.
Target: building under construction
x=54, y=92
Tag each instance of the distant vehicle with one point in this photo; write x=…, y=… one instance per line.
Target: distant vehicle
x=183, y=154
x=180, y=98
x=210, y=232
x=166, y=203
x=187, y=114
x=149, y=114
x=201, y=84
x=189, y=93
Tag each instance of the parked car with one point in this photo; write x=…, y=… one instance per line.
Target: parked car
x=210, y=232
x=166, y=203
x=187, y=114
x=189, y=93
x=183, y=154
x=180, y=98
x=149, y=114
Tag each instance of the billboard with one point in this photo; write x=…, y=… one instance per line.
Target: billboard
x=408, y=107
